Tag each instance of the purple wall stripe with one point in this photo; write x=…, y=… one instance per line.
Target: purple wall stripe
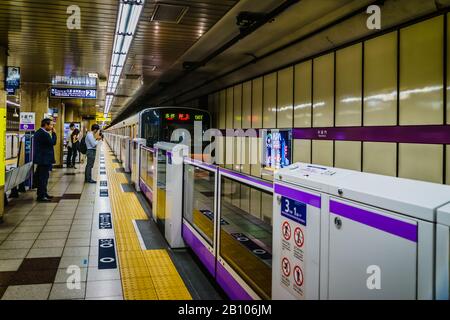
x=427, y=134
x=200, y=250
x=247, y=178
x=378, y=221
x=230, y=285
x=308, y=198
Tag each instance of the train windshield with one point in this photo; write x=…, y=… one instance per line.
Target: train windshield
x=159, y=124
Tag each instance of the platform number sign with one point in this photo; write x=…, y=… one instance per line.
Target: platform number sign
x=293, y=237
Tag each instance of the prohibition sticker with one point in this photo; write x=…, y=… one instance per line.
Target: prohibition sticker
x=286, y=266
x=286, y=230
x=298, y=276
x=299, y=237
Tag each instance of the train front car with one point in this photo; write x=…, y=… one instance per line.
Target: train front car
x=159, y=124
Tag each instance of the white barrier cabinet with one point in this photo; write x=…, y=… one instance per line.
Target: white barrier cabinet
x=168, y=191
x=341, y=234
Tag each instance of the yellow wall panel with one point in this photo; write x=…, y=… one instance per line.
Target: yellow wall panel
x=347, y=155
x=421, y=162
x=257, y=100
x=303, y=95
x=349, y=86
x=285, y=98
x=302, y=151
x=255, y=168
x=222, y=110
x=247, y=105
x=380, y=80
x=270, y=101
x=267, y=207
x=237, y=106
x=323, y=91
x=421, y=73
x=230, y=100
x=322, y=152
x=255, y=203
x=246, y=155
x=447, y=167
x=380, y=158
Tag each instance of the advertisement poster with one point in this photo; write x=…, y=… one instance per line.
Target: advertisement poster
x=12, y=82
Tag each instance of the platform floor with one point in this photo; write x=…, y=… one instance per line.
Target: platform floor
x=62, y=250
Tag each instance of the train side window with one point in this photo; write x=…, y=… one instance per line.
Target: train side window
x=246, y=237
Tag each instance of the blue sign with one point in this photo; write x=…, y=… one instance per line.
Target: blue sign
x=104, y=220
x=106, y=254
x=73, y=93
x=294, y=210
x=103, y=192
x=103, y=183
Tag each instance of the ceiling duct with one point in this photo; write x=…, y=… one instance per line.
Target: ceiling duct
x=169, y=13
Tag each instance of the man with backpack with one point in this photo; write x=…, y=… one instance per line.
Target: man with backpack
x=88, y=146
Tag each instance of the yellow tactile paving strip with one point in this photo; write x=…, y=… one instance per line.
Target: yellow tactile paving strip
x=145, y=274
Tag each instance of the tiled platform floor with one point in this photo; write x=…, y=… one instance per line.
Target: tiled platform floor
x=43, y=245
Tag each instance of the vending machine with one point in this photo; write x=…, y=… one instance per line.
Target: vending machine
x=344, y=234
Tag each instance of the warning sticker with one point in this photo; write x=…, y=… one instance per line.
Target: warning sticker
x=294, y=217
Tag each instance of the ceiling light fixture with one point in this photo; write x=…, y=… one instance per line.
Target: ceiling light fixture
x=127, y=20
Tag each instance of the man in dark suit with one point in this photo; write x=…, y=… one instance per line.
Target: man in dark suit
x=44, y=157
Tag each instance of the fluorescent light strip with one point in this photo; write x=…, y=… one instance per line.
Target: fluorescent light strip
x=127, y=21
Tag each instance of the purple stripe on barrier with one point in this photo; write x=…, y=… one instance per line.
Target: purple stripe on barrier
x=148, y=148
x=200, y=250
x=378, y=221
x=427, y=134
x=247, y=178
x=200, y=164
x=308, y=198
x=146, y=190
x=229, y=284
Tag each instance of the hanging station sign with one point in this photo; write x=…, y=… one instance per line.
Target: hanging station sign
x=73, y=93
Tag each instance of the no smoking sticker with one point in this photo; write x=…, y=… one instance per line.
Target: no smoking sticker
x=299, y=237
x=286, y=231
x=298, y=276
x=286, y=266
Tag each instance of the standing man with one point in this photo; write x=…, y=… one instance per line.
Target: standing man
x=69, y=146
x=92, y=138
x=44, y=157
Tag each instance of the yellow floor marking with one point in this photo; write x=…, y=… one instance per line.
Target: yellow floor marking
x=145, y=274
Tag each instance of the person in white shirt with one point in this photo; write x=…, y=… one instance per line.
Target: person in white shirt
x=92, y=139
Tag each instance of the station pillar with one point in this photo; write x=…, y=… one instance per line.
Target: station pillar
x=2, y=130
x=35, y=98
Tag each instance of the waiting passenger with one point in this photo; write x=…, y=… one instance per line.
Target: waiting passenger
x=92, y=138
x=69, y=146
x=44, y=156
x=75, y=146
